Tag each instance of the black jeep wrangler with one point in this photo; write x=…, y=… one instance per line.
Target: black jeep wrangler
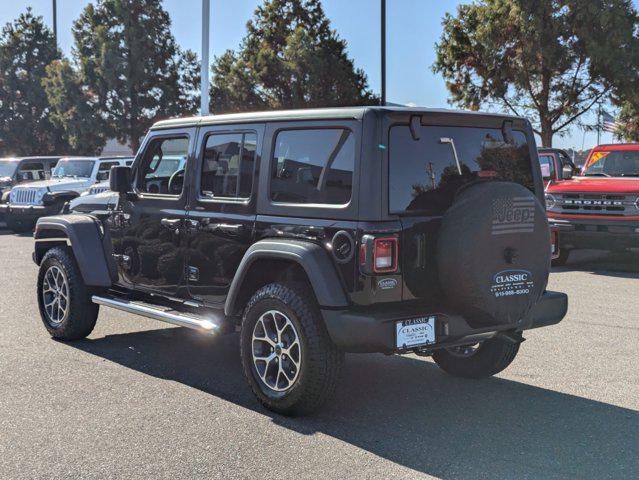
x=314, y=233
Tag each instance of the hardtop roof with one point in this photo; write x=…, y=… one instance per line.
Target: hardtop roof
x=333, y=113
x=100, y=159
x=38, y=157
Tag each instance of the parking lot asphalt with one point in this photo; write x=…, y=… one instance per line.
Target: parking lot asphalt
x=139, y=399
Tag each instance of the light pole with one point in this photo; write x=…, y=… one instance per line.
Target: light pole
x=55, y=23
x=204, y=95
x=383, y=50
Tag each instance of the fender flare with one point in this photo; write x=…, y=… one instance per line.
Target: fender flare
x=318, y=266
x=61, y=195
x=89, y=241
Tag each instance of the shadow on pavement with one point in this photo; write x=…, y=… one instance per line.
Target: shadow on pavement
x=5, y=231
x=408, y=412
x=603, y=263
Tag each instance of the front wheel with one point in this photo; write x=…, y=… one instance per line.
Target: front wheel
x=480, y=360
x=65, y=304
x=288, y=358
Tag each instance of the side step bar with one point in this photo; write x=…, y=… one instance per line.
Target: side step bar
x=158, y=313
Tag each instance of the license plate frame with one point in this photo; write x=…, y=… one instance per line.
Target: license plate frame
x=415, y=332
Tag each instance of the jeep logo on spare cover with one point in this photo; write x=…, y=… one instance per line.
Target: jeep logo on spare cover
x=513, y=215
x=511, y=282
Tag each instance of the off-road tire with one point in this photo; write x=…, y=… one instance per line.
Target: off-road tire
x=321, y=360
x=82, y=312
x=561, y=260
x=492, y=356
x=19, y=226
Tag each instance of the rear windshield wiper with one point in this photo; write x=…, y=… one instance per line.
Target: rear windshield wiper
x=601, y=174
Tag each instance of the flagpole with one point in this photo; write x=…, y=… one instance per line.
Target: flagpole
x=599, y=125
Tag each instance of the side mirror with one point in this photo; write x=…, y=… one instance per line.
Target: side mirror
x=120, y=179
x=102, y=176
x=566, y=172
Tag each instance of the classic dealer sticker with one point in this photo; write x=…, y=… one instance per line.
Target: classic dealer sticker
x=512, y=282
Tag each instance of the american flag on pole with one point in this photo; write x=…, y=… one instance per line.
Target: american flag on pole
x=608, y=122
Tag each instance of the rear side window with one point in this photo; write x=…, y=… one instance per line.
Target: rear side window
x=313, y=166
x=227, y=168
x=104, y=170
x=547, y=164
x=32, y=171
x=424, y=175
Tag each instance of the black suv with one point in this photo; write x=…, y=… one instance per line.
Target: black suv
x=314, y=233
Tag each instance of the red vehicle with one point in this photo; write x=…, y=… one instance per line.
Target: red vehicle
x=600, y=207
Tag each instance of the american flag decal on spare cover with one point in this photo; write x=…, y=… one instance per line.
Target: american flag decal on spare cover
x=513, y=215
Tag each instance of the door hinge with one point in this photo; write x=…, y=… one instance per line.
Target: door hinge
x=192, y=273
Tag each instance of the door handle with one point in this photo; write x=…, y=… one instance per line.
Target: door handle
x=229, y=227
x=171, y=223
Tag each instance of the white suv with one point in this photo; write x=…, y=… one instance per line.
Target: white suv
x=71, y=177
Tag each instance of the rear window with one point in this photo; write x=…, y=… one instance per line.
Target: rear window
x=313, y=166
x=424, y=175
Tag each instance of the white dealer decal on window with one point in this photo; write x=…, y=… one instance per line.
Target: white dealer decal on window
x=512, y=282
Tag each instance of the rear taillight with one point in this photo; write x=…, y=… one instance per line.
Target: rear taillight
x=385, y=255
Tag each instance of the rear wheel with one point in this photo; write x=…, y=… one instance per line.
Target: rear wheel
x=65, y=304
x=479, y=360
x=18, y=225
x=288, y=358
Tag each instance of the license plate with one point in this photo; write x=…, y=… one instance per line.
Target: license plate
x=415, y=332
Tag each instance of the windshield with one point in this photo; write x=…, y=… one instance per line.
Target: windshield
x=73, y=168
x=424, y=174
x=168, y=166
x=7, y=168
x=616, y=163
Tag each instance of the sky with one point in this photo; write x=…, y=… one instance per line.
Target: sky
x=413, y=27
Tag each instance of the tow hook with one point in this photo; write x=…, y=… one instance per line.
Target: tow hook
x=513, y=337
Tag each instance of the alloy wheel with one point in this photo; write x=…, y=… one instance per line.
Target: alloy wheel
x=276, y=351
x=55, y=295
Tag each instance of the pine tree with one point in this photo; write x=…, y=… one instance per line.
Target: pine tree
x=27, y=46
x=72, y=109
x=290, y=58
x=131, y=65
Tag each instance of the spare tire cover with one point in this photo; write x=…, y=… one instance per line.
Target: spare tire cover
x=493, y=253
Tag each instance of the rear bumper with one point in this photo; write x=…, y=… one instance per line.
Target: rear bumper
x=355, y=331
x=597, y=233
